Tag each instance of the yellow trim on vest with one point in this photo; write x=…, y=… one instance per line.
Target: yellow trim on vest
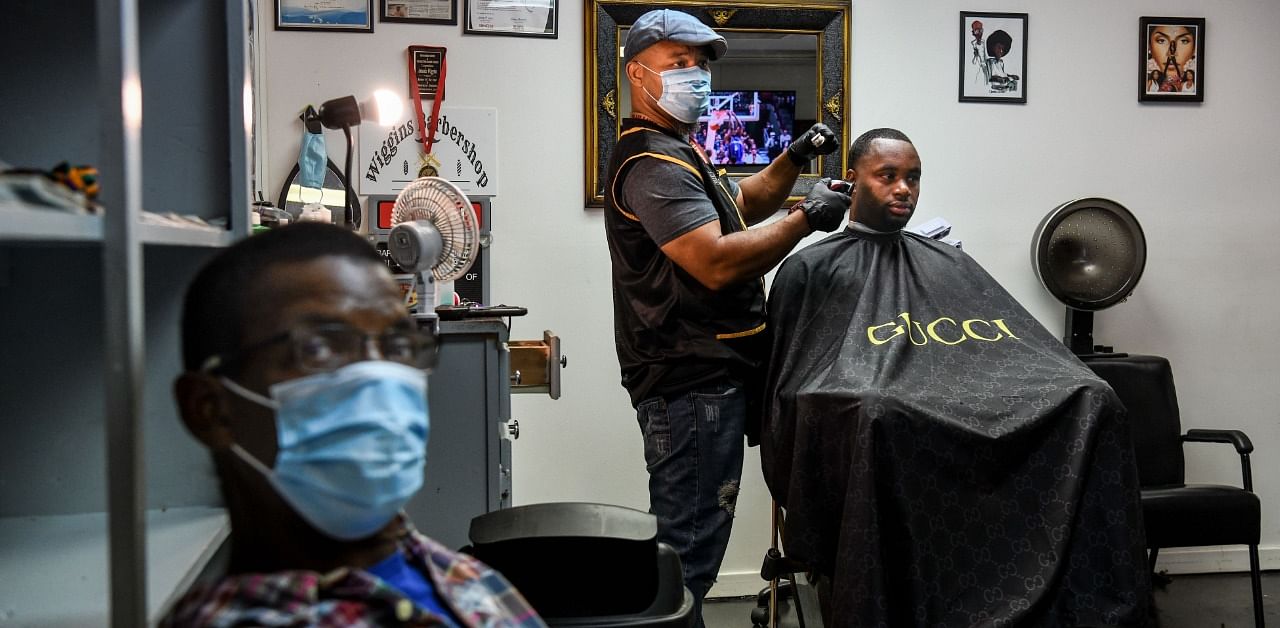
x=741, y=334
x=613, y=188
x=732, y=201
x=634, y=129
x=629, y=215
x=622, y=211
x=675, y=160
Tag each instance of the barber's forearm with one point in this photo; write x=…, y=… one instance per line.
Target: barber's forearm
x=764, y=192
x=748, y=255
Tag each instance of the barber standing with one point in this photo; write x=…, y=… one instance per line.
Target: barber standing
x=688, y=292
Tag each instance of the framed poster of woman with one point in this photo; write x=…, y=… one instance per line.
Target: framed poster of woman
x=1171, y=59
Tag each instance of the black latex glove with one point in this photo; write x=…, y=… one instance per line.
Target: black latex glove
x=824, y=208
x=818, y=140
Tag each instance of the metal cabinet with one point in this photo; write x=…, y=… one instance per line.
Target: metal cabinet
x=468, y=469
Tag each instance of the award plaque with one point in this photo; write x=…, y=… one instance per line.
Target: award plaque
x=426, y=62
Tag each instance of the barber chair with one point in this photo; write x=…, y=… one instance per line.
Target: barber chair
x=1178, y=514
x=786, y=596
x=581, y=564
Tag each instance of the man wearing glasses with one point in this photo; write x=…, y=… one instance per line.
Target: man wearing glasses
x=306, y=380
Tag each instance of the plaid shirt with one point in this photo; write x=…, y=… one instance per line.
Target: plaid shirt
x=478, y=596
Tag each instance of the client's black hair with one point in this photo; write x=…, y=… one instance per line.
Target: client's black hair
x=214, y=308
x=863, y=143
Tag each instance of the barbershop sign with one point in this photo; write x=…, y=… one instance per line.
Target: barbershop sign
x=465, y=152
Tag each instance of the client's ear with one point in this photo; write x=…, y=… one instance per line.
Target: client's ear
x=202, y=402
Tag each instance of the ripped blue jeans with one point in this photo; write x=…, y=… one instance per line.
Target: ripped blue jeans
x=693, y=444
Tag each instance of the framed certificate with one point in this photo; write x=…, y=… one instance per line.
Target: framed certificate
x=419, y=11
x=516, y=18
x=325, y=15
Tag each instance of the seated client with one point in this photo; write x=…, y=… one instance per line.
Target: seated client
x=942, y=458
x=304, y=379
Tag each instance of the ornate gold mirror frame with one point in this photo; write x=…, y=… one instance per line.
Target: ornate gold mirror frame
x=828, y=20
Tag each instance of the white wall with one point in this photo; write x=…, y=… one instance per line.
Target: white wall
x=1195, y=176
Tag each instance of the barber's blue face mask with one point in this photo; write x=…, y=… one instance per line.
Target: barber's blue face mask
x=686, y=92
x=353, y=444
x=312, y=160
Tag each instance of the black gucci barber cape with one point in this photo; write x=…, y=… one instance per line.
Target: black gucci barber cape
x=941, y=456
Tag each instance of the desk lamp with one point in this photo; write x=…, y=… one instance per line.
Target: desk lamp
x=384, y=107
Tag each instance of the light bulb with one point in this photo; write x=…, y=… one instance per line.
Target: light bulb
x=388, y=108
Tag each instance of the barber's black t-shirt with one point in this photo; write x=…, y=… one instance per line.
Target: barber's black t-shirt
x=669, y=199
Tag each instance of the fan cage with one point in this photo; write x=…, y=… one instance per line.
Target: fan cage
x=443, y=204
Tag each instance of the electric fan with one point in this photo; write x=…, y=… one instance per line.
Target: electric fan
x=1089, y=254
x=435, y=236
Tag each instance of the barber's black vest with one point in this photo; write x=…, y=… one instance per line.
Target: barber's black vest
x=672, y=333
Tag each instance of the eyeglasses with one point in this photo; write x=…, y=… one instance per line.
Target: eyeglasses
x=321, y=348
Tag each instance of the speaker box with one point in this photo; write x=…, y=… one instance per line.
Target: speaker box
x=1089, y=254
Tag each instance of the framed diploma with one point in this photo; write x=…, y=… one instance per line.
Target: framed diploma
x=516, y=18
x=325, y=15
x=420, y=11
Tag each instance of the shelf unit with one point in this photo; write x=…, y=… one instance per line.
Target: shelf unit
x=108, y=509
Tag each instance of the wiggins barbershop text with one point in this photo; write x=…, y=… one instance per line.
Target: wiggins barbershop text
x=945, y=330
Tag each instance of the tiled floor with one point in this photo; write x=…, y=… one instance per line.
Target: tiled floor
x=1190, y=601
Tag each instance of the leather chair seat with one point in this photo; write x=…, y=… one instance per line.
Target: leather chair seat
x=1184, y=515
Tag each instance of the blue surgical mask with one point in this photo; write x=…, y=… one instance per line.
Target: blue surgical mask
x=352, y=444
x=312, y=160
x=686, y=92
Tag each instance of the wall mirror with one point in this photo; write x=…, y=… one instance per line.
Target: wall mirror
x=786, y=69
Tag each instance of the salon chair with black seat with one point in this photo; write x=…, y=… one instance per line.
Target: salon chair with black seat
x=582, y=564
x=1178, y=514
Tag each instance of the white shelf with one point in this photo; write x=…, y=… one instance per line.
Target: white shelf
x=24, y=224
x=179, y=236
x=21, y=223
x=54, y=569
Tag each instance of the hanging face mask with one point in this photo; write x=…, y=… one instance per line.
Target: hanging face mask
x=686, y=92
x=313, y=158
x=352, y=444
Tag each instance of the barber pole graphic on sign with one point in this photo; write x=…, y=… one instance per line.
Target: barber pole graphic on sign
x=465, y=153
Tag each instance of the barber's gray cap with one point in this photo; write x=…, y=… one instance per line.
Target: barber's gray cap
x=677, y=26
